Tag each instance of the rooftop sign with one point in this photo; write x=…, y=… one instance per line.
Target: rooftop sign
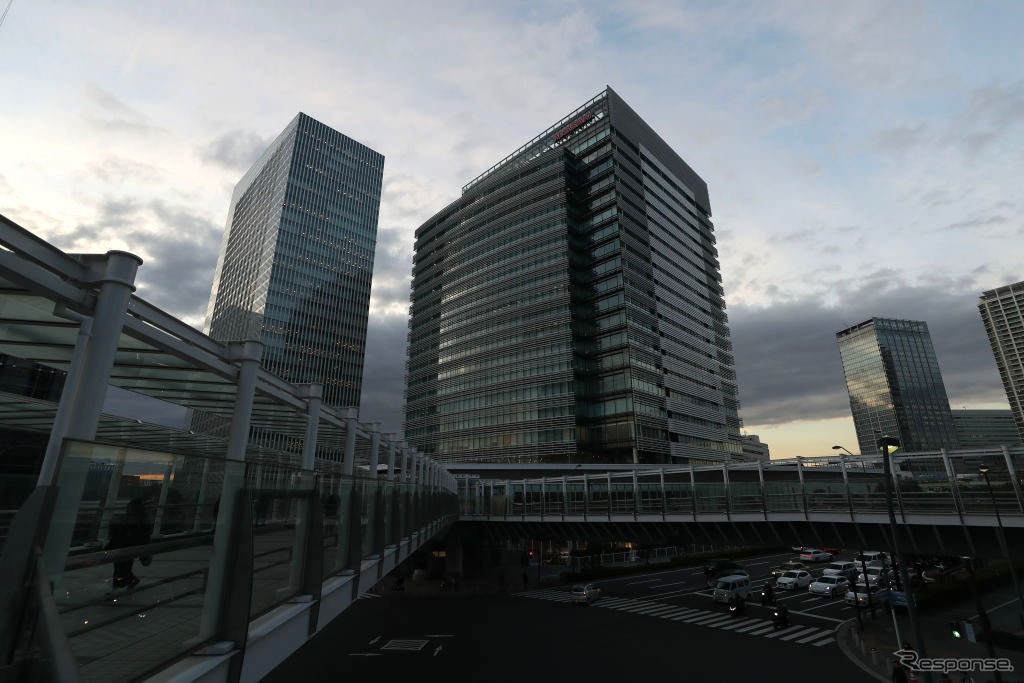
x=573, y=126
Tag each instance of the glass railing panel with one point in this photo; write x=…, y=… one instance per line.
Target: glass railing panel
x=129, y=552
x=280, y=508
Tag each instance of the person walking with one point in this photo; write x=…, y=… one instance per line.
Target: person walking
x=127, y=530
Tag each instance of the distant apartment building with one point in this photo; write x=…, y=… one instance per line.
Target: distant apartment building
x=985, y=428
x=297, y=258
x=568, y=307
x=895, y=385
x=1002, y=312
x=754, y=448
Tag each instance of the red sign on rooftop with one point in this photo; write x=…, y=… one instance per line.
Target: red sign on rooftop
x=573, y=126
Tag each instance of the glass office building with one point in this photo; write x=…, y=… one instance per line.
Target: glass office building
x=297, y=258
x=568, y=307
x=1002, y=312
x=895, y=386
x=985, y=428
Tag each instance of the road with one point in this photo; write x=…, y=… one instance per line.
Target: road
x=637, y=630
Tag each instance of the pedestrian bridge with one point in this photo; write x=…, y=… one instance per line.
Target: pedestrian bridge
x=941, y=499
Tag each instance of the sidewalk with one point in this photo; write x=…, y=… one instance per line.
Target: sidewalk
x=873, y=650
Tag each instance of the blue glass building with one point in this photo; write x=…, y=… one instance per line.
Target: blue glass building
x=895, y=386
x=296, y=261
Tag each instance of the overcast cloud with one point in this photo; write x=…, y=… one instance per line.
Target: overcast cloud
x=862, y=158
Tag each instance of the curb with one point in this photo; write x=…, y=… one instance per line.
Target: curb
x=841, y=631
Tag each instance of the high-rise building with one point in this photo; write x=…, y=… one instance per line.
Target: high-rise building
x=985, y=428
x=569, y=307
x=1002, y=312
x=895, y=385
x=297, y=258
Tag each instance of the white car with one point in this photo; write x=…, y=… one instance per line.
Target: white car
x=829, y=585
x=847, y=569
x=879, y=596
x=793, y=580
x=814, y=555
x=874, y=576
x=584, y=593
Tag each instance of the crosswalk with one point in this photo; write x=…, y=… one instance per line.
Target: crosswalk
x=797, y=633
x=367, y=594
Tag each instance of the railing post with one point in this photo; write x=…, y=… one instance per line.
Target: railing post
x=1013, y=477
x=636, y=496
x=693, y=492
x=803, y=487
x=725, y=484
x=586, y=498
x=351, y=425
x=565, y=498
x=609, y=495
x=846, y=483
x=508, y=498
x=953, y=488
x=543, y=496
x=664, y=498
x=524, y=500
x=764, y=498
x=896, y=488
x=313, y=393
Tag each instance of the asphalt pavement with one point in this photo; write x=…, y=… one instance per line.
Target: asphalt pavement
x=642, y=627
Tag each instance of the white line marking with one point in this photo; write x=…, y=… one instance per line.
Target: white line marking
x=666, y=585
x=801, y=632
x=788, y=629
x=661, y=612
x=760, y=624
x=437, y=650
x=762, y=631
x=827, y=604
x=680, y=613
x=439, y=635
x=755, y=564
x=824, y=642
x=645, y=581
x=816, y=616
x=738, y=623
x=812, y=598
x=363, y=654
x=670, y=594
x=721, y=620
x=693, y=619
x=374, y=640
x=816, y=636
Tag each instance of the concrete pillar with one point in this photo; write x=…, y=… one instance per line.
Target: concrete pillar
x=313, y=393
x=803, y=487
x=664, y=498
x=693, y=491
x=725, y=486
x=764, y=498
x=374, y=448
x=392, y=447
x=1011, y=470
x=351, y=427
x=846, y=483
x=248, y=354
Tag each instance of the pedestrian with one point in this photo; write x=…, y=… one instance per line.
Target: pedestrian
x=899, y=673
x=127, y=530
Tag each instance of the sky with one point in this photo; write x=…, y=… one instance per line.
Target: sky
x=863, y=159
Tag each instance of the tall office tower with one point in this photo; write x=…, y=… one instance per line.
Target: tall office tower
x=1002, y=312
x=297, y=258
x=568, y=306
x=895, y=385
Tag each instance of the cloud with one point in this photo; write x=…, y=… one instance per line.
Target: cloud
x=901, y=139
x=787, y=359
x=975, y=223
x=235, y=150
x=107, y=112
x=392, y=268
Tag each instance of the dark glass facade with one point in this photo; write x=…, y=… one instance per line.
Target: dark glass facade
x=297, y=258
x=568, y=306
x=985, y=428
x=1002, y=312
x=895, y=386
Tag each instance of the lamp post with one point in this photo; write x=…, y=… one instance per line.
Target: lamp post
x=836, y=448
x=885, y=443
x=983, y=469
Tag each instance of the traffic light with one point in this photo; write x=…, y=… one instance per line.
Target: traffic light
x=956, y=629
x=531, y=553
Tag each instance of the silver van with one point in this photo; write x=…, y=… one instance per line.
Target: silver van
x=729, y=587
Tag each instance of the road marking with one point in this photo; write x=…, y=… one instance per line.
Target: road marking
x=788, y=629
x=374, y=640
x=763, y=630
x=670, y=594
x=646, y=581
x=680, y=613
x=740, y=622
x=611, y=602
x=439, y=635
x=405, y=645
x=642, y=609
x=363, y=654
x=437, y=650
x=801, y=632
x=367, y=594
x=827, y=604
x=755, y=564
x=666, y=585
x=696, y=618
x=719, y=621
x=663, y=612
x=816, y=616
x=817, y=636
x=812, y=598
x=824, y=642
x=760, y=623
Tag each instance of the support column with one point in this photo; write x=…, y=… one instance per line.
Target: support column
x=565, y=498
x=404, y=473
x=664, y=498
x=846, y=483
x=543, y=496
x=764, y=498
x=586, y=498
x=392, y=446
x=81, y=402
x=508, y=498
x=313, y=393
x=725, y=484
x=248, y=355
x=636, y=496
x=693, y=491
x=351, y=426
x=803, y=489
x=609, y=496
x=161, y=503
x=374, y=448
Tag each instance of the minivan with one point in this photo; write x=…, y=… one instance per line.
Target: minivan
x=728, y=588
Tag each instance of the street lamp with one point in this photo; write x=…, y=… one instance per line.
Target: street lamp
x=887, y=444
x=836, y=448
x=983, y=470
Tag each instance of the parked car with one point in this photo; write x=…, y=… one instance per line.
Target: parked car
x=845, y=569
x=815, y=555
x=875, y=575
x=585, y=593
x=858, y=595
x=730, y=587
x=793, y=580
x=873, y=556
x=829, y=585
x=790, y=566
